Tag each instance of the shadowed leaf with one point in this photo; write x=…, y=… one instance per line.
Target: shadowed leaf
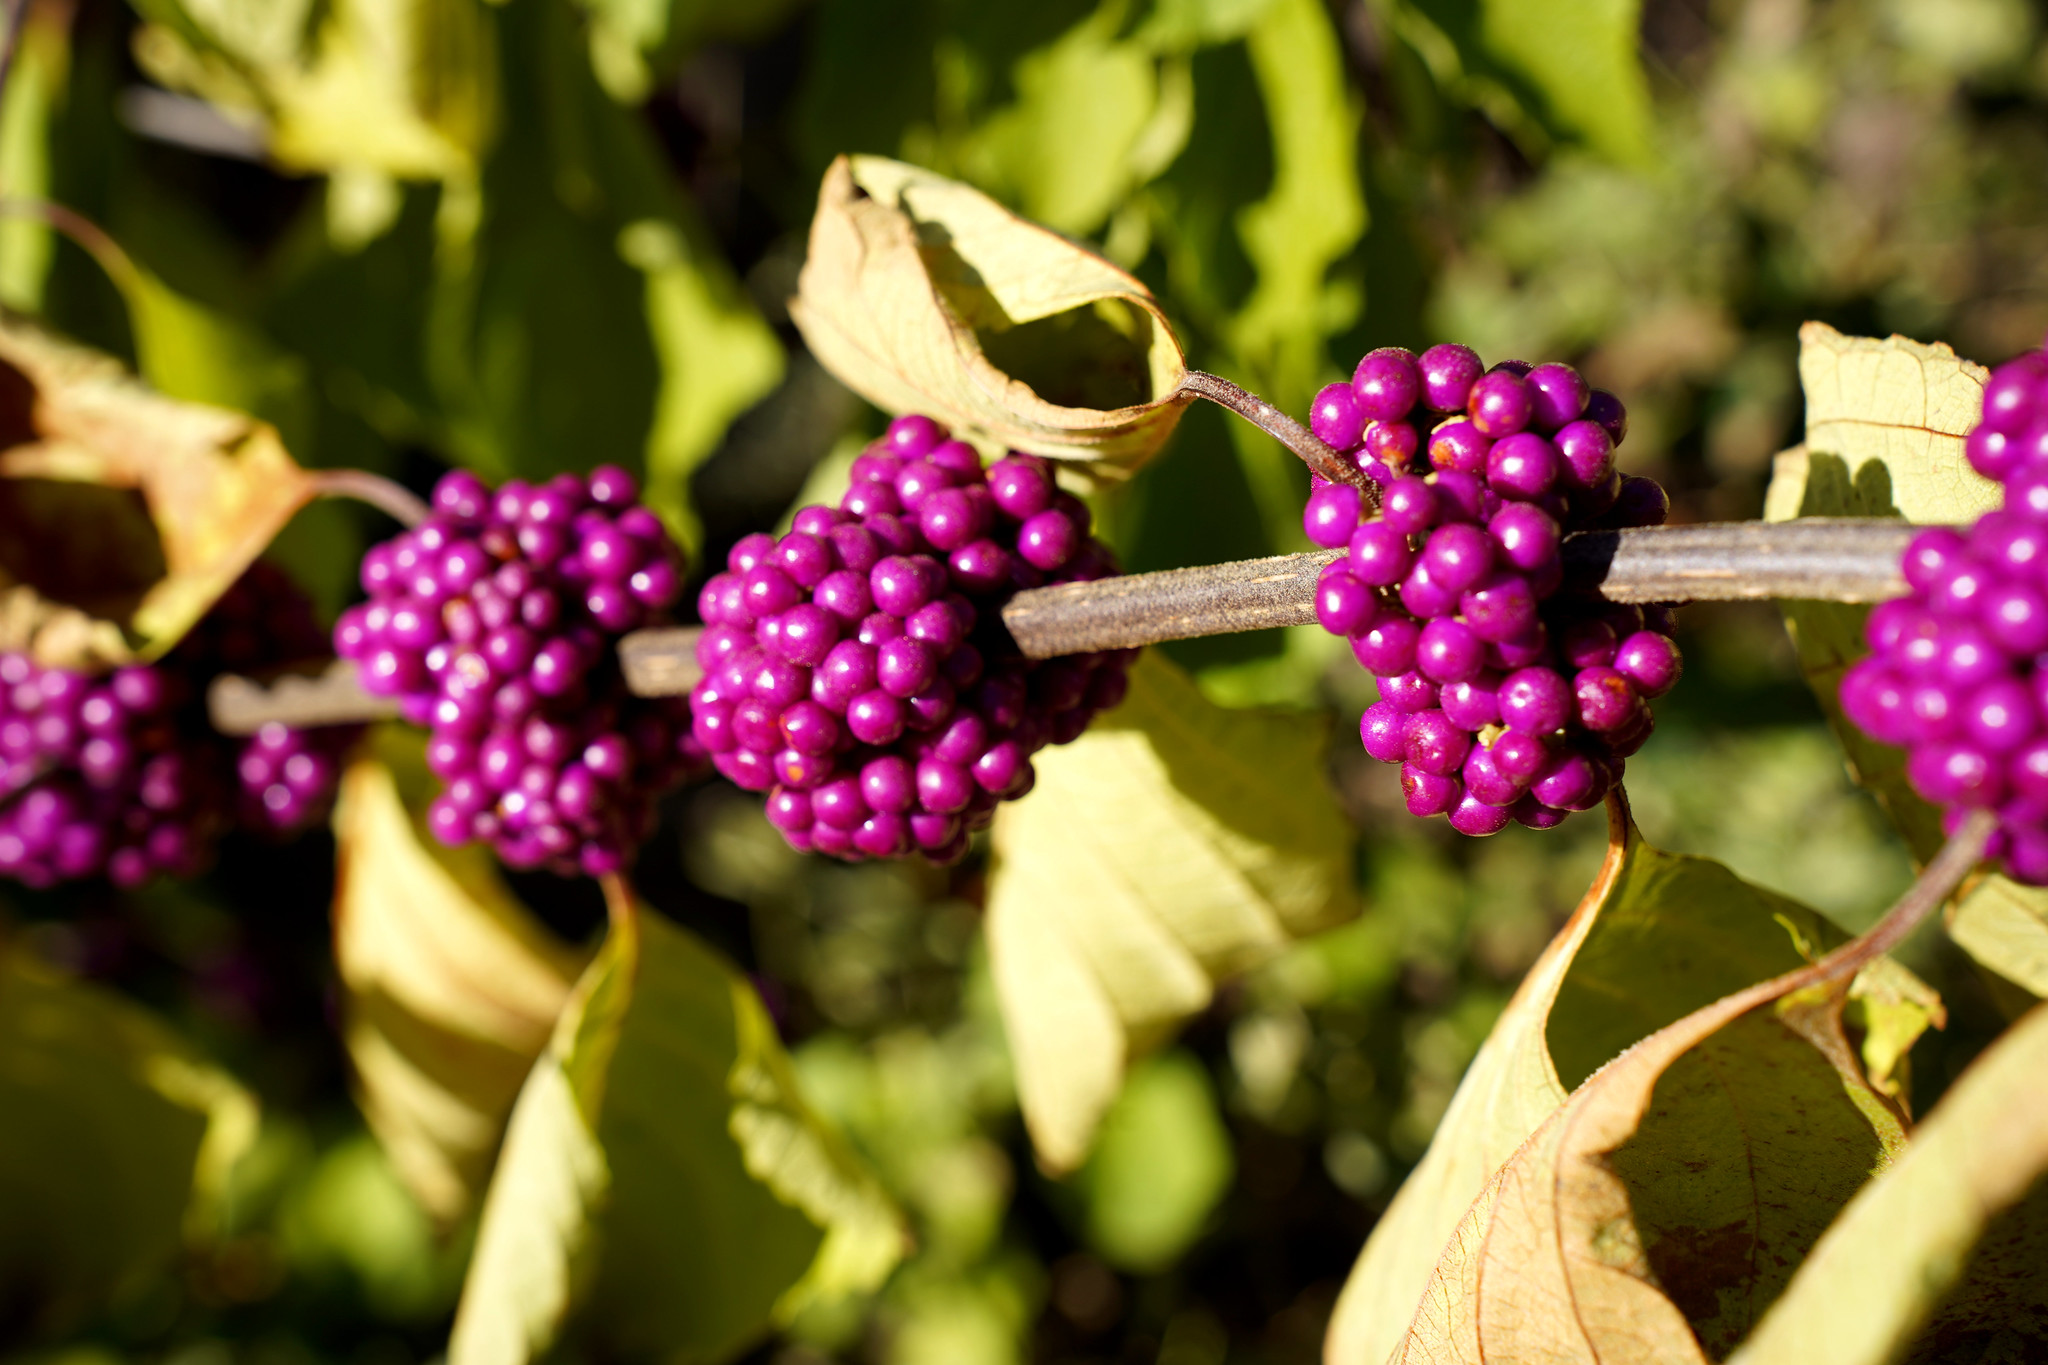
x=1945, y=1255
x=1173, y=844
x=1658, y=935
x=117, y=1137
x=908, y=273
x=452, y=986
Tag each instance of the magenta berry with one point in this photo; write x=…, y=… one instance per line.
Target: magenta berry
x=1448, y=595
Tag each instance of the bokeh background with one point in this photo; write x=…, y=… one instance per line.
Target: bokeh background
x=552, y=233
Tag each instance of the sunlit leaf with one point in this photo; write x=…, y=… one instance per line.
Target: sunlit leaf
x=1173, y=844
x=1161, y=1164
x=1946, y=1253
x=118, y=1136
x=1574, y=63
x=77, y=437
x=1658, y=935
x=660, y=1164
x=35, y=87
x=1658, y=1212
x=923, y=295
x=1884, y=437
x=452, y=986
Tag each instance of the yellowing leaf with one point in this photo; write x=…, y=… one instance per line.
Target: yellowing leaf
x=217, y=486
x=660, y=1164
x=452, y=986
x=1657, y=935
x=924, y=295
x=1884, y=437
x=1663, y=1206
x=1948, y=1246
x=1173, y=844
x=117, y=1136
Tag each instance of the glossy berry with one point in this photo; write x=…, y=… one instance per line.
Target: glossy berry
x=1502, y=701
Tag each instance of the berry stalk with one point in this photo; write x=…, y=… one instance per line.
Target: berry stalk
x=1846, y=560
x=1323, y=459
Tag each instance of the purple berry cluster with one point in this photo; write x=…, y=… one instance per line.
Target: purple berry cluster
x=1499, y=699
x=494, y=624
x=857, y=669
x=1954, y=675
x=120, y=775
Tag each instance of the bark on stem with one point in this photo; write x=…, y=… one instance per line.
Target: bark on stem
x=1815, y=559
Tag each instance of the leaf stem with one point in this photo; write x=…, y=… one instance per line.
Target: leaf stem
x=1936, y=883
x=401, y=504
x=1323, y=459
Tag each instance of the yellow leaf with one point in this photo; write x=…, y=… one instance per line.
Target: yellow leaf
x=217, y=485
x=924, y=295
x=452, y=986
x=1950, y=1243
x=1173, y=844
x=1658, y=935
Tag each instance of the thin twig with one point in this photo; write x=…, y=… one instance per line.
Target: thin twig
x=401, y=504
x=1817, y=560
x=1936, y=883
x=1317, y=454
x=239, y=706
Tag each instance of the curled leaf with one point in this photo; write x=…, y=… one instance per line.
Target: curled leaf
x=88, y=578
x=1658, y=935
x=922, y=294
x=452, y=986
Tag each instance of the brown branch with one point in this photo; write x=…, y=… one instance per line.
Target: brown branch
x=1819, y=560
x=1318, y=455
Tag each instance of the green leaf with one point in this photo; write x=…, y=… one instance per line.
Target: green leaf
x=118, y=1142
x=635, y=43
x=718, y=358
x=1884, y=437
x=660, y=1164
x=1573, y=63
x=1160, y=1166
x=1946, y=1252
x=452, y=987
x=35, y=87
x=1173, y=844
x=1659, y=935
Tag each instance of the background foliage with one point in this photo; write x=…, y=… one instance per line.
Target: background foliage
x=553, y=233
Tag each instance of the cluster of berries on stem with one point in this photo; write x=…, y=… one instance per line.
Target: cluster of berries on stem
x=1954, y=676
x=494, y=623
x=1500, y=698
x=857, y=670
x=120, y=775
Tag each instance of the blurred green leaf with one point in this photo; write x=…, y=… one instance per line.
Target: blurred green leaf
x=35, y=87
x=1658, y=935
x=1945, y=1254
x=117, y=1143
x=1884, y=437
x=659, y=1162
x=353, y=1213
x=1173, y=844
x=634, y=43
x=452, y=986
x=1574, y=63
x=364, y=88
x=718, y=358
x=1161, y=1164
